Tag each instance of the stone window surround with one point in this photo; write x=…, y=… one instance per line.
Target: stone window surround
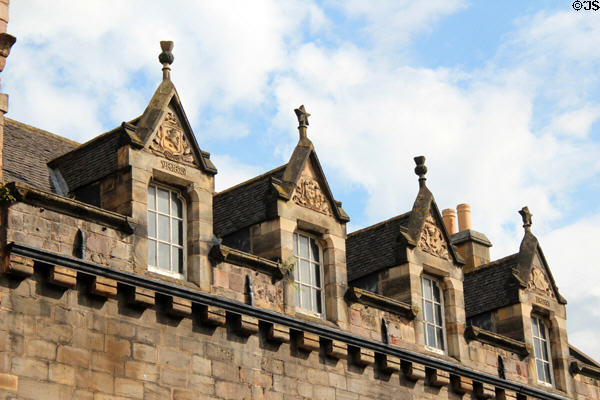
x=542, y=317
x=318, y=242
x=156, y=269
x=440, y=281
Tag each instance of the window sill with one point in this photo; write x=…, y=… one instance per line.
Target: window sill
x=159, y=271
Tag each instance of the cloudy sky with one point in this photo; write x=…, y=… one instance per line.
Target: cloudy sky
x=503, y=98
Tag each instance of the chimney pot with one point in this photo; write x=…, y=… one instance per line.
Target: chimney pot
x=464, y=217
x=449, y=217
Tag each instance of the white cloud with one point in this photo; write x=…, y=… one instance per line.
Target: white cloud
x=232, y=172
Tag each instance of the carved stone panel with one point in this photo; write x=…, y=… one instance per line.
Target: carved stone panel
x=170, y=141
x=432, y=239
x=308, y=193
x=539, y=283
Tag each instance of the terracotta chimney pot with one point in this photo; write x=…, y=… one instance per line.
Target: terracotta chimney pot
x=464, y=217
x=449, y=217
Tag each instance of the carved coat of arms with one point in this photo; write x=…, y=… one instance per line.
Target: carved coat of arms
x=539, y=283
x=170, y=140
x=309, y=194
x=432, y=239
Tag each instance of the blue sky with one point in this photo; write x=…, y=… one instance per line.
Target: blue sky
x=502, y=97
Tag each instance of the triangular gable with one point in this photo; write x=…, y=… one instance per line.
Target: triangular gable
x=426, y=230
x=533, y=272
x=165, y=130
x=304, y=182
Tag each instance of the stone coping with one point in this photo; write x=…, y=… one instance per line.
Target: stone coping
x=192, y=296
x=220, y=252
x=384, y=303
x=495, y=339
x=577, y=367
x=74, y=208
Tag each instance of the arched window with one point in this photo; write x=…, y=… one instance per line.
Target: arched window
x=541, y=348
x=433, y=314
x=166, y=221
x=308, y=274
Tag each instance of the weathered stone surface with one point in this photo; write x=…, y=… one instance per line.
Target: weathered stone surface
x=143, y=297
x=363, y=357
x=278, y=333
x=62, y=276
x=437, y=377
x=180, y=307
x=336, y=349
x=307, y=341
x=245, y=325
x=18, y=265
x=104, y=287
x=413, y=371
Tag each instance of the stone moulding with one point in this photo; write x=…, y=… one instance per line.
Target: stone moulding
x=228, y=305
x=494, y=339
x=222, y=253
x=71, y=207
x=381, y=302
x=577, y=367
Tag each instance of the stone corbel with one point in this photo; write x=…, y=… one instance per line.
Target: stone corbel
x=104, y=287
x=336, y=349
x=483, y=391
x=503, y=394
x=363, y=357
x=17, y=265
x=244, y=325
x=437, y=377
x=307, y=341
x=212, y=316
x=61, y=276
x=179, y=307
x=142, y=297
x=388, y=364
x=413, y=371
x=461, y=385
x=278, y=333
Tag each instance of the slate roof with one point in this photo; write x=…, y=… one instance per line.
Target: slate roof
x=27, y=150
x=245, y=204
x=373, y=248
x=491, y=286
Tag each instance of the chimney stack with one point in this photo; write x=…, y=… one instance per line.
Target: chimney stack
x=473, y=246
x=449, y=217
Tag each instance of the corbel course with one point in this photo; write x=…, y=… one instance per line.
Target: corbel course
x=104, y=287
x=336, y=349
x=461, y=385
x=362, y=356
x=278, y=333
x=483, y=391
x=18, y=265
x=61, y=276
x=244, y=325
x=179, y=307
x=437, y=377
x=413, y=371
x=143, y=297
x=388, y=364
x=307, y=341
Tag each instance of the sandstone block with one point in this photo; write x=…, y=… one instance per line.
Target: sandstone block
x=62, y=276
x=278, y=333
x=413, y=371
x=461, y=385
x=437, y=377
x=336, y=349
x=143, y=297
x=245, y=325
x=180, y=307
x=213, y=316
x=307, y=341
x=104, y=287
x=9, y=382
x=363, y=357
x=389, y=364
x=483, y=390
x=18, y=265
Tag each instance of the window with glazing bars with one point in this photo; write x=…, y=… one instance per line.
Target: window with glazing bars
x=165, y=230
x=308, y=274
x=433, y=314
x=541, y=349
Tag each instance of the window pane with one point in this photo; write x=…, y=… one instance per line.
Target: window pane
x=163, y=200
x=303, y=246
x=176, y=208
x=428, y=312
x=163, y=227
x=544, y=351
x=540, y=370
x=314, y=250
x=304, y=271
x=542, y=330
x=177, y=260
x=534, y=327
x=430, y=335
x=315, y=275
x=305, y=297
x=151, y=252
x=436, y=292
x=151, y=197
x=318, y=301
x=177, y=235
x=547, y=373
x=440, y=338
x=151, y=224
x=298, y=300
x=536, y=346
x=163, y=256
x=438, y=315
x=426, y=288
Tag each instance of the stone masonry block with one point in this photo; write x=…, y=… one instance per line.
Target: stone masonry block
x=308, y=341
x=213, y=316
x=278, y=333
x=363, y=357
x=483, y=390
x=413, y=371
x=388, y=363
x=143, y=297
x=62, y=276
x=502, y=394
x=437, y=377
x=461, y=385
x=9, y=382
x=17, y=265
x=336, y=349
x=245, y=325
x=104, y=287
x=180, y=307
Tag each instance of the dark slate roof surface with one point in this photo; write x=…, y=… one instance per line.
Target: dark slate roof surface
x=373, y=248
x=491, y=286
x=243, y=205
x=26, y=152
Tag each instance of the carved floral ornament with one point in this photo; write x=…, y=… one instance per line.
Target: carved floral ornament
x=170, y=140
x=308, y=194
x=432, y=239
x=539, y=283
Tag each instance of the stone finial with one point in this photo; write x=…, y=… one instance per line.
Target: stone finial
x=421, y=169
x=166, y=58
x=526, y=215
x=302, y=115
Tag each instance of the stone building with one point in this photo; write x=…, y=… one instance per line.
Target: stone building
x=124, y=275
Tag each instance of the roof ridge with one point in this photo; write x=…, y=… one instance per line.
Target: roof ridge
x=251, y=180
x=379, y=224
x=43, y=131
x=494, y=263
